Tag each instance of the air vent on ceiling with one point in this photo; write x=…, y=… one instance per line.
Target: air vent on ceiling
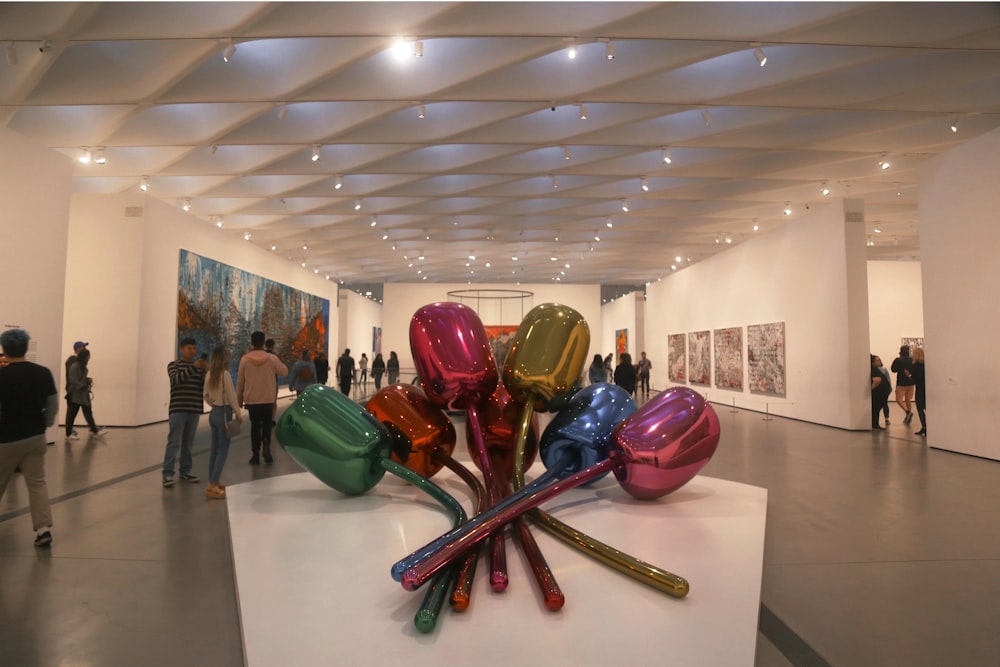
x=854, y=216
x=133, y=211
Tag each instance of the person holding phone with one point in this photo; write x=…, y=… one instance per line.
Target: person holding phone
x=187, y=383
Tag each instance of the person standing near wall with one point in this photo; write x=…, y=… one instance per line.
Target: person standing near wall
x=363, y=367
x=919, y=381
x=378, y=370
x=888, y=381
x=322, y=368
x=392, y=368
x=187, y=382
x=77, y=346
x=625, y=375
x=28, y=405
x=902, y=366
x=221, y=395
x=256, y=388
x=345, y=371
x=880, y=392
x=597, y=372
x=645, y=365
x=302, y=374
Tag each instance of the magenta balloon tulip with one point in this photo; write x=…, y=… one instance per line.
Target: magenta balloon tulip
x=452, y=355
x=664, y=443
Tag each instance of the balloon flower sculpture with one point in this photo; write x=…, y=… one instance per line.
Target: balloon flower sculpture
x=652, y=450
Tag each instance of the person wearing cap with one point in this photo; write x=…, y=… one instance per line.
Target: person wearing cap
x=71, y=433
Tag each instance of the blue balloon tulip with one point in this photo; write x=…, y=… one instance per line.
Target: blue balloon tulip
x=583, y=428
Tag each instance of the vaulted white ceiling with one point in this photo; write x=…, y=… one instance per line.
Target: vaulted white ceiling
x=502, y=165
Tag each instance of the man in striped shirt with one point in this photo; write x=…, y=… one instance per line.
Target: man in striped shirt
x=187, y=381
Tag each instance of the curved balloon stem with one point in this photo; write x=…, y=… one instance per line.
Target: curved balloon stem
x=425, y=620
x=461, y=595
x=547, y=584
x=498, y=550
x=520, y=443
x=416, y=568
x=641, y=571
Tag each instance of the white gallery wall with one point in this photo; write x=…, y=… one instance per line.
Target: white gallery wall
x=895, y=307
x=809, y=274
x=959, y=212
x=357, y=317
x=619, y=314
x=33, y=252
x=121, y=294
x=401, y=300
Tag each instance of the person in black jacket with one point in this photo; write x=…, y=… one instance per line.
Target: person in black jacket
x=902, y=366
x=378, y=369
x=625, y=373
x=880, y=393
x=322, y=368
x=921, y=385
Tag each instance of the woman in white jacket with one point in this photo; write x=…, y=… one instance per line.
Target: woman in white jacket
x=221, y=395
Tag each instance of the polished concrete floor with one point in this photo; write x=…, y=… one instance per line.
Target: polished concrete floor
x=879, y=551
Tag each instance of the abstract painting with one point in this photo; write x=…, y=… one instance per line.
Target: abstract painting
x=218, y=304
x=766, y=358
x=621, y=344
x=677, y=358
x=729, y=358
x=700, y=357
x=913, y=342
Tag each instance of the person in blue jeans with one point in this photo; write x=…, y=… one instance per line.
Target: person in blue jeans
x=221, y=395
x=187, y=383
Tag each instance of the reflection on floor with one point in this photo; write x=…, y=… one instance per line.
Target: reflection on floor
x=878, y=551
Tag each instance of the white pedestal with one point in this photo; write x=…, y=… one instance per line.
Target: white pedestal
x=312, y=572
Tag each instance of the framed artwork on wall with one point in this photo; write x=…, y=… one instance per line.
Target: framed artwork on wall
x=621, y=344
x=912, y=342
x=766, y=358
x=218, y=304
x=729, y=358
x=677, y=358
x=376, y=340
x=700, y=357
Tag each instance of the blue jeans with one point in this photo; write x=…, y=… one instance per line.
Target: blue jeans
x=217, y=419
x=181, y=435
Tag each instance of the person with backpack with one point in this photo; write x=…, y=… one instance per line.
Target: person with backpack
x=302, y=374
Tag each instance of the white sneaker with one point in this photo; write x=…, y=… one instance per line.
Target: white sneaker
x=100, y=432
x=73, y=436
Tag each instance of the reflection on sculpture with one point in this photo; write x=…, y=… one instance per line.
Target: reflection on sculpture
x=652, y=450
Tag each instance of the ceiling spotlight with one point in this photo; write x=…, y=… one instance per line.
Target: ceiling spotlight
x=597, y=237
x=624, y=203
x=571, y=53
x=418, y=49
x=756, y=227
x=705, y=116
x=788, y=209
x=144, y=186
x=825, y=189
x=219, y=221
x=229, y=51
x=953, y=126
x=609, y=224
x=85, y=156
x=729, y=239
x=870, y=242
x=282, y=112
x=374, y=220
x=678, y=258
x=644, y=184
x=10, y=53
x=99, y=155
x=316, y=270
x=513, y=258
x=583, y=112
x=305, y=245
x=666, y=155
x=555, y=181
x=884, y=162
x=338, y=182
x=273, y=247
x=246, y=236
x=421, y=111
x=609, y=51
x=385, y=236
x=315, y=153
x=566, y=153
x=758, y=53
x=357, y=204
x=554, y=258
x=303, y=264
x=877, y=229
x=186, y=206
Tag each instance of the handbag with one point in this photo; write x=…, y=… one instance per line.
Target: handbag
x=232, y=428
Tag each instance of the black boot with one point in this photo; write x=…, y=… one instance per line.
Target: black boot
x=255, y=458
x=267, y=452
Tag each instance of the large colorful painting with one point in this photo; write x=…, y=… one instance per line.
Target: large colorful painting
x=677, y=358
x=766, y=358
x=621, y=344
x=700, y=357
x=729, y=358
x=218, y=304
